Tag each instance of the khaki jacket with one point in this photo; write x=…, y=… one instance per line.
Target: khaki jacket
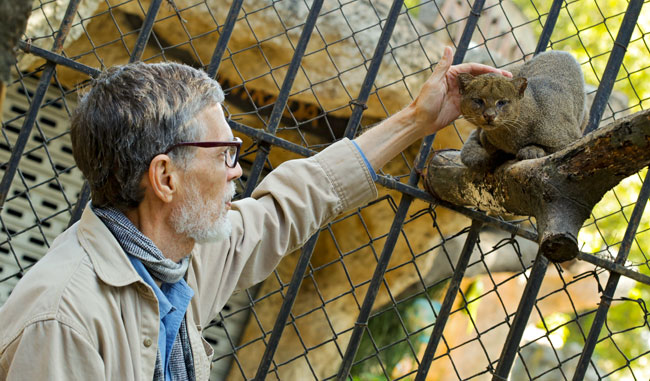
x=83, y=313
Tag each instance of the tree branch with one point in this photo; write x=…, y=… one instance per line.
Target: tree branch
x=559, y=190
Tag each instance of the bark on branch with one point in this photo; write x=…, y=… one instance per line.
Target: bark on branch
x=559, y=190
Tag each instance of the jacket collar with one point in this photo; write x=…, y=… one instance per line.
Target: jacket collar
x=111, y=263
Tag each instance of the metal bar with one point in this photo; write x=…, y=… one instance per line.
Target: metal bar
x=534, y=283
x=468, y=31
x=447, y=303
x=612, y=282
x=350, y=132
x=613, y=64
x=459, y=56
x=360, y=103
x=398, y=221
x=287, y=304
x=57, y=58
x=549, y=25
x=524, y=310
x=84, y=197
x=37, y=100
x=614, y=267
x=283, y=96
x=145, y=32
x=226, y=32
x=473, y=214
x=373, y=288
x=263, y=136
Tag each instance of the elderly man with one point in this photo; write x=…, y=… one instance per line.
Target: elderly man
x=124, y=293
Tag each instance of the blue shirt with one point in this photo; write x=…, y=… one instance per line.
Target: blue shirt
x=173, y=300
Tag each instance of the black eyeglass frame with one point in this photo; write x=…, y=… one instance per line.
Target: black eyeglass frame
x=211, y=144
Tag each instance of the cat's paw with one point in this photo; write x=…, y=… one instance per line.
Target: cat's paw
x=476, y=158
x=530, y=152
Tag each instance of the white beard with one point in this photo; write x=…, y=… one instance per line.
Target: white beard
x=203, y=220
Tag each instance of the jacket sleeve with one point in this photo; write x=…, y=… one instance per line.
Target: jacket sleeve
x=286, y=208
x=50, y=350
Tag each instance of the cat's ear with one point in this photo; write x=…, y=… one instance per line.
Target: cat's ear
x=520, y=84
x=463, y=80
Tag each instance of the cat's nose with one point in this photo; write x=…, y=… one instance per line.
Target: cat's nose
x=489, y=118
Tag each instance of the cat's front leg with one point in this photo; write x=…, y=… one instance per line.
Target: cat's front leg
x=473, y=154
x=531, y=152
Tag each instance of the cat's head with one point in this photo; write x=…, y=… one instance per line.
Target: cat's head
x=491, y=101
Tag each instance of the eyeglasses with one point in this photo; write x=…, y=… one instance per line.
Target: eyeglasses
x=232, y=152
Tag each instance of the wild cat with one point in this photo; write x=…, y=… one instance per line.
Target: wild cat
x=537, y=112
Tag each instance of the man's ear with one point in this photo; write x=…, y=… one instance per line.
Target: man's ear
x=463, y=80
x=163, y=178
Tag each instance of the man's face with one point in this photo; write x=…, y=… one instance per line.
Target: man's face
x=208, y=185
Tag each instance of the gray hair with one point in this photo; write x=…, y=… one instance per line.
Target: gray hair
x=132, y=113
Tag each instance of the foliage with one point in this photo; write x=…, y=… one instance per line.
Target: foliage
x=393, y=335
x=412, y=6
x=588, y=29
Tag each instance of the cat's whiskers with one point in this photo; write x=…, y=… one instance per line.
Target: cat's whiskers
x=512, y=124
x=472, y=120
x=509, y=124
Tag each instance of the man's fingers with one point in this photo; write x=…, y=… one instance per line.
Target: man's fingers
x=476, y=69
x=443, y=65
x=481, y=69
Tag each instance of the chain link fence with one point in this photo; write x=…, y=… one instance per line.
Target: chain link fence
x=408, y=286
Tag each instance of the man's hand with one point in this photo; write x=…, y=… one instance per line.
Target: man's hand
x=438, y=103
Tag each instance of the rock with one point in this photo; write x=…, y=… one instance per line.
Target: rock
x=45, y=21
x=332, y=70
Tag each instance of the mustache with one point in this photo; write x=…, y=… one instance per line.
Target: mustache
x=230, y=193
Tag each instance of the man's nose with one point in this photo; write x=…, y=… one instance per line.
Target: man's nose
x=234, y=173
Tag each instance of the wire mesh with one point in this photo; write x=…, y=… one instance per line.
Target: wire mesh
x=414, y=239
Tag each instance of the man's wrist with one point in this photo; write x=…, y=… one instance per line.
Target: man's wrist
x=410, y=124
x=386, y=140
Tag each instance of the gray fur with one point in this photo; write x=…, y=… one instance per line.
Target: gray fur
x=552, y=113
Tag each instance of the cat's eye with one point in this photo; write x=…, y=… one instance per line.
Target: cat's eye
x=478, y=101
x=502, y=103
